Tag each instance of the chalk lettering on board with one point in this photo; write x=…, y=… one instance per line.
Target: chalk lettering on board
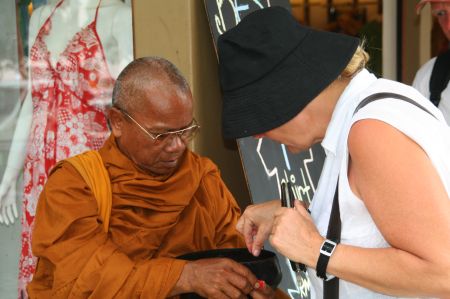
x=286, y=159
x=308, y=161
x=269, y=173
x=304, y=286
x=293, y=293
x=220, y=24
x=304, y=190
x=301, y=190
x=236, y=8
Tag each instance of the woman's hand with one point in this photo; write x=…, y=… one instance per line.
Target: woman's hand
x=256, y=224
x=295, y=236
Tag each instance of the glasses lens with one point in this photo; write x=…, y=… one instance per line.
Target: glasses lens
x=189, y=133
x=185, y=135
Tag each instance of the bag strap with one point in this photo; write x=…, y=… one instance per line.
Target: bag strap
x=384, y=95
x=440, y=75
x=331, y=287
x=90, y=166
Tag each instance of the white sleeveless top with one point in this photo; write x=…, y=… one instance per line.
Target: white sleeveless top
x=358, y=228
x=422, y=83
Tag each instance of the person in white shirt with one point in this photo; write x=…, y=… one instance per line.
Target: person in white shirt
x=386, y=159
x=440, y=10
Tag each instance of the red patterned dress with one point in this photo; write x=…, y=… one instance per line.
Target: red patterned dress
x=69, y=103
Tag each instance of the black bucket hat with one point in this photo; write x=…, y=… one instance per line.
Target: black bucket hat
x=271, y=67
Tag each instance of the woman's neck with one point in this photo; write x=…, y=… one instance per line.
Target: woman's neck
x=326, y=103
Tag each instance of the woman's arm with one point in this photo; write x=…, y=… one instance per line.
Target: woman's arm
x=409, y=204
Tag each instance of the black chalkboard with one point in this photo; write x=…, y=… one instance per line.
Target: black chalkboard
x=266, y=163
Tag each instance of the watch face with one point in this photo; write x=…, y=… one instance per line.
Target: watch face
x=328, y=247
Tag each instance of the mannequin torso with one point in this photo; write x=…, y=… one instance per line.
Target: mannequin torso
x=113, y=22
x=58, y=88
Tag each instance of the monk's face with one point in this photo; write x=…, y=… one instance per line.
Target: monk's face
x=164, y=109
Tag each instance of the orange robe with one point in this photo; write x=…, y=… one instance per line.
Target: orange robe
x=152, y=221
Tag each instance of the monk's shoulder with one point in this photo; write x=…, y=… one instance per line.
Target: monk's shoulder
x=63, y=169
x=64, y=176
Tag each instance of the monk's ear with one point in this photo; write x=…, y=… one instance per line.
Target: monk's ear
x=116, y=121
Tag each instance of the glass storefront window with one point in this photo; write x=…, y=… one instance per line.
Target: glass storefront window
x=58, y=63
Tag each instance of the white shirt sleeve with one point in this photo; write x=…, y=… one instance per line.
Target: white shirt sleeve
x=422, y=79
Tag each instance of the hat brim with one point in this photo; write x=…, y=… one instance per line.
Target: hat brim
x=283, y=92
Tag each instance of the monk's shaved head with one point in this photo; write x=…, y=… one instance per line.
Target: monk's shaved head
x=137, y=78
x=152, y=98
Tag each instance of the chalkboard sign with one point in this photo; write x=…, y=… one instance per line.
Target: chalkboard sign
x=266, y=163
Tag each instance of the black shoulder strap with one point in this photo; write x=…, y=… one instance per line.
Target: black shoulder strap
x=385, y=95
x=439, y=77
x=331, y=287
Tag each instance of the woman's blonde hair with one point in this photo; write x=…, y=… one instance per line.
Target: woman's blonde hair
x=357, y=63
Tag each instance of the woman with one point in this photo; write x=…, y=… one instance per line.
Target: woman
x=387, y=160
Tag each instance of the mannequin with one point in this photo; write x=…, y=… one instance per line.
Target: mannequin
x=67, y=30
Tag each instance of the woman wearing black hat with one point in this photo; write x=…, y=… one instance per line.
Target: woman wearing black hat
x=387, y=167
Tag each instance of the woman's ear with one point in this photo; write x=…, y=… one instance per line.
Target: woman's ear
x=115, y=119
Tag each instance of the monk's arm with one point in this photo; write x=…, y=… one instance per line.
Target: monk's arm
x=226, y=211
x=78, y=259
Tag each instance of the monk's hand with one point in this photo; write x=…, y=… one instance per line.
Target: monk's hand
x=256, y=224
x=262, y=291
x=219, y=278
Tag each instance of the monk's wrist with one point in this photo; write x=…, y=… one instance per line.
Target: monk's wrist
x=183, y=284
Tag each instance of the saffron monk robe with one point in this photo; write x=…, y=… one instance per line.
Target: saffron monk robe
x=166, y=201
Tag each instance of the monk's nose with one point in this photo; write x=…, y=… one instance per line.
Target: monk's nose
x=175, y=143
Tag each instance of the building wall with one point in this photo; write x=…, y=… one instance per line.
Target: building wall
x=179, y=31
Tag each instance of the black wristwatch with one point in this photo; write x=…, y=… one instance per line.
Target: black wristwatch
x=326, y=250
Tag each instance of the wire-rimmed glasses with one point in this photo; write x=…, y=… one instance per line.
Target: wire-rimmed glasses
x=185, y=134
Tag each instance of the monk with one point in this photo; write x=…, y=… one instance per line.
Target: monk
x=166, y=201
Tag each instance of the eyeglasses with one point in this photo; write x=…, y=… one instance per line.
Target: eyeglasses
x=185, y=134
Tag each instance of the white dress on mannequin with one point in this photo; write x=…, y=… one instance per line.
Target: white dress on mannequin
x=77, y=51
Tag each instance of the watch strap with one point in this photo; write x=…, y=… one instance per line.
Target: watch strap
x=326, y=251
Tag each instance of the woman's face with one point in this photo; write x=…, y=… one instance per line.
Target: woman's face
x=309, y=126
x=300, y=133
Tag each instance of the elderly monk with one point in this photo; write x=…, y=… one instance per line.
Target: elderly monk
x=166, y=201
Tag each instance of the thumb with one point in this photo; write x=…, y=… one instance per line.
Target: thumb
x=300, y=205
x=258, y=241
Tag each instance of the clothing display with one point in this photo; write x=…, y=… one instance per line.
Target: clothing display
x=70, y=98
x=358, y=227
x=422, y=83
x=153, y=219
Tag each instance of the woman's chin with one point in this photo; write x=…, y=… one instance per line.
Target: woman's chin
x=294, y=149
